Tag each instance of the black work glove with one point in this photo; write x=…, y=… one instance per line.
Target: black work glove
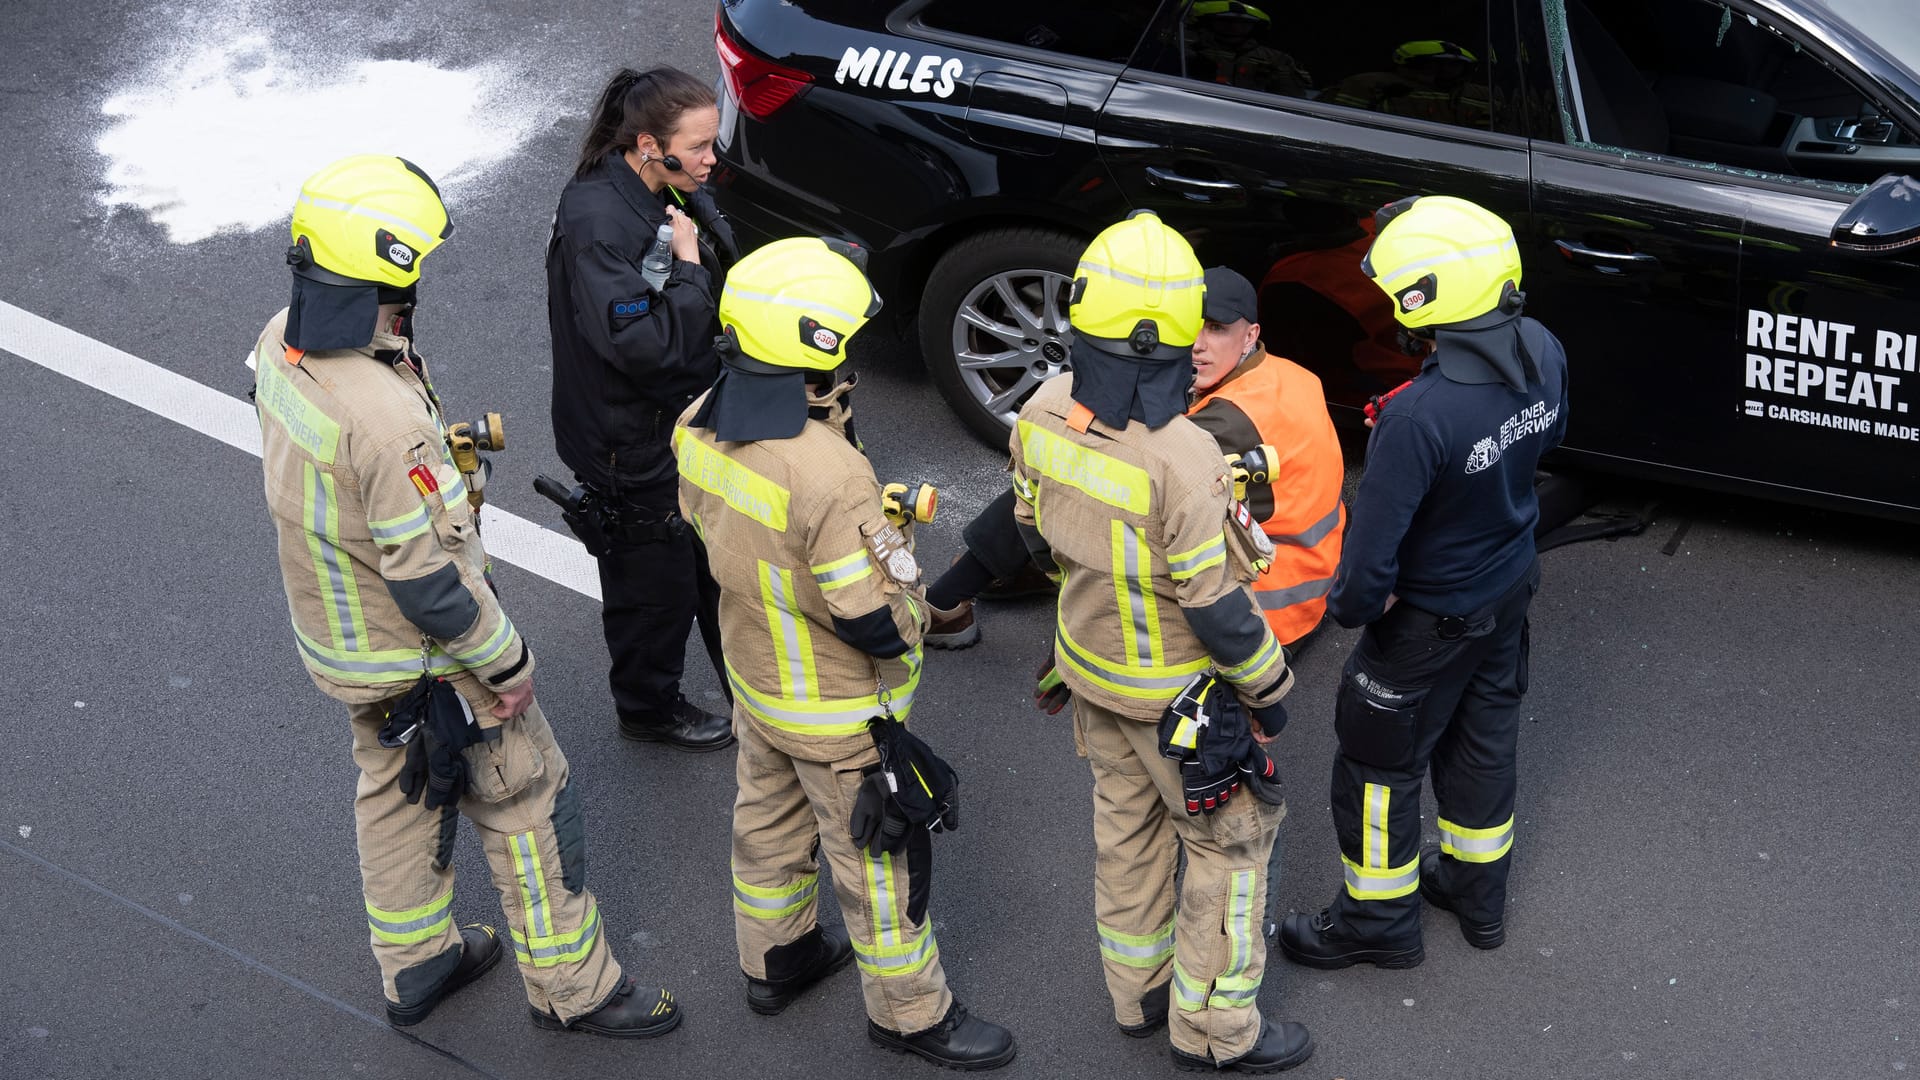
x=1050, y=693
x=877, y=824
x=447, y=774
x=1261, y=774
x=435, y=724
x=1207, y=790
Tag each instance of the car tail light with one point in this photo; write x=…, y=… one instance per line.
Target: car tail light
x=759, y=85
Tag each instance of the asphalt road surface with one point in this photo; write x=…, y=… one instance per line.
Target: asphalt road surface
x=1715, y=871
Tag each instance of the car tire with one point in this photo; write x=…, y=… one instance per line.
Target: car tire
x=993, y=322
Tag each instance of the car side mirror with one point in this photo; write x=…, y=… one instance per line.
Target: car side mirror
x=1884, y=219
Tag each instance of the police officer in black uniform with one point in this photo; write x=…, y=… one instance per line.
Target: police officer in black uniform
x=1439, y=566
x=627, y=358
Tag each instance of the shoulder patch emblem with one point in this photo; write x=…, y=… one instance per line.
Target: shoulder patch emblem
x=892, y=555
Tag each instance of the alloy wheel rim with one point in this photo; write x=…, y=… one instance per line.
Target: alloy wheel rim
x=1010, y=334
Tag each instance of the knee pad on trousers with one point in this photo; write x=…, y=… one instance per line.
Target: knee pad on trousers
x=415, y=983
x=790, y=961
x=570, y=833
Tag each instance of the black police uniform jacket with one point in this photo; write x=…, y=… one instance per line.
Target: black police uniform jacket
x=626, y=358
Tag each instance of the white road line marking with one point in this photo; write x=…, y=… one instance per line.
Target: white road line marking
x=509, y=538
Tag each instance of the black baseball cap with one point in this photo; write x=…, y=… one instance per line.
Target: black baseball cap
x=1230, y=297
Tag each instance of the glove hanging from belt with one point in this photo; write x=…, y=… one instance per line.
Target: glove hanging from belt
x=911, y=788
x=436, y=726
x=1206, y=731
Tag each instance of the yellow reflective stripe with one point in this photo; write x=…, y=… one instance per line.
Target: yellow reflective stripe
x=1254, y=668
x=1476, y=845
x=1123, y=594
x=1372, y=883
x=743, y=489
x=1232, y=990
x=1373, y=832
x=841, y=573
x=792, y=639
x=372, y=666
x=491, y=649
x=533, y=887
x=394, y=530
x=1022, y=488
x=414, y=924
x=554, y=949
x=760, y=902
x=827, y=716
x=1135, y=279
x=1188, y=993
x=312, y=430
x=1136, y=950
x=1106, y=478
x=903, y=959
x=881, y=896
x=1188, y=563
x=1133, y=681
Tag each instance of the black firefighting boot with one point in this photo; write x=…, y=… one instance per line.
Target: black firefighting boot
x=629, y=1013
x=1153, y=1004
x=1318, y=942
x=1480, y=935
x=1281, y=1047
x=958, y=1041
x=480, y=950
x=685, y=726
x=798, y=964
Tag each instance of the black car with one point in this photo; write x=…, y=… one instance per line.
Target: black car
x=1715, y=198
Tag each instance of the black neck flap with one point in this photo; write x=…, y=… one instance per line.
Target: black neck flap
x=1119, y=388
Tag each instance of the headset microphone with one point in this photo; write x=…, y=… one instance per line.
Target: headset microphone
x=671, y=162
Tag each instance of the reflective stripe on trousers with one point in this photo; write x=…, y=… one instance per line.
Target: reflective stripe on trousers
x=757, y=902
x=538, y=945
x=1476, y=845
x=1136, y=950
x=414, y=924
x=1233, y=989
x=897, y=948
x=1372, y=878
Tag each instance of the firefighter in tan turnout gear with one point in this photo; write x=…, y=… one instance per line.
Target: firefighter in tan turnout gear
x=1131, y=504
x=395, y=616
x=821, y=620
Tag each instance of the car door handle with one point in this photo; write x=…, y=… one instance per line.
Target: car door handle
x=1192, y=186
x=1607, y=262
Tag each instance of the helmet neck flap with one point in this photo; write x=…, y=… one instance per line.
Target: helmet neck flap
x=1123, y=388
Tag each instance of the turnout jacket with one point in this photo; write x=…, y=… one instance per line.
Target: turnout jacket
x=1136, y=521
x=626, y=359
x=1272, y=400
x=380, y=550
x=814, y=620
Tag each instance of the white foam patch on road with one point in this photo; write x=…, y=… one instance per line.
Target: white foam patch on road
x=510, y=538
x=218, y=136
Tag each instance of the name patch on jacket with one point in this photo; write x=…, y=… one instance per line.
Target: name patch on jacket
x=892, y=553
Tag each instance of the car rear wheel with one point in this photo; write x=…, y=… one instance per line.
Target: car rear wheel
x=993, y=322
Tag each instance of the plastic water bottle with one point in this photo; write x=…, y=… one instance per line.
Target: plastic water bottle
x=659, y=261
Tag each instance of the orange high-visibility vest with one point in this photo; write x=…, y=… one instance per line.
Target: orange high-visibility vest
x=1301, y=510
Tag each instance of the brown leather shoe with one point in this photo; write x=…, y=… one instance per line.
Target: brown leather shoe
x=952, y=628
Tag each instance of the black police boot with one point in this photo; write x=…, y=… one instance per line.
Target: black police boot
x=958, y=1041
x=1281, y=1047
x=1153, y=1004
x=797, y=965
x=480, y=950
x=1314, y=940
x=686, y=726
x=1480, y=935
x=631, y=1013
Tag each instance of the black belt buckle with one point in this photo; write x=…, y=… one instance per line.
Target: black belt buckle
x=1450, y=628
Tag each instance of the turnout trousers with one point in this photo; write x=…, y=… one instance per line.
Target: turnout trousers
x=789, y=813
x=1421, y=692
x=654, y=586
x=1210, y=943
x=530, y=823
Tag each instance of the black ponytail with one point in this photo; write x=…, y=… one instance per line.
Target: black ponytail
x=635, y=103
